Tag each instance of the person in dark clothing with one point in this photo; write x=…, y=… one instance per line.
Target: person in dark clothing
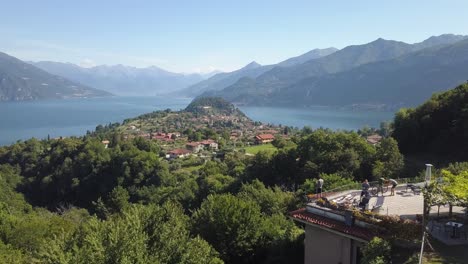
x=365, y=187
x=364, y=200
x=394, y=185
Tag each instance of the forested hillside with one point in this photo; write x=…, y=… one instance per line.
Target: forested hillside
x=439, y=127
x=212, y=105
x=76, y=201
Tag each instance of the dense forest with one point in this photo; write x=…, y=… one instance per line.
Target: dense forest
x=74, y=201
x=438, y=128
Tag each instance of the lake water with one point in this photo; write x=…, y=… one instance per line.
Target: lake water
x=23, y=120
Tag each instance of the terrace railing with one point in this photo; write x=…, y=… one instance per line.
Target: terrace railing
x=357, y=186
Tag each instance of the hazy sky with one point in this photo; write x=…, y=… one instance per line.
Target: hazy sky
x=190, y=36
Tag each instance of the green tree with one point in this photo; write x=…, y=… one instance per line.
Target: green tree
x=271, y=200
x=377, y=251
x=213, y=184
x=389, y=161
x=232, y=225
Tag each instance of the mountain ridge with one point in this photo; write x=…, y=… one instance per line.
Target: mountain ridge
x=20, y=81
x=295, y=84
x=122, y=79
x=251, y=70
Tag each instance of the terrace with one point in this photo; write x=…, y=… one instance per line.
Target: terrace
x=406, y=203
x=397, y=216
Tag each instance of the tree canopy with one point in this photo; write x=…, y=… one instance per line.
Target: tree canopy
x=438, y=127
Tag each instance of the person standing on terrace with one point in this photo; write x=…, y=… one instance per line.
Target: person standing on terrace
x=394, y=184
x=365, y=187
x=319, y=186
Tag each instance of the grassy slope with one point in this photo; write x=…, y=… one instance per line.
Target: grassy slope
x=257, y=148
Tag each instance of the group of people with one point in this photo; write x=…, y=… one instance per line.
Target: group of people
x=365, y=187
x=365, y=195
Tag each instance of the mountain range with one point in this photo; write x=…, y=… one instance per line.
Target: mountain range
x=21, y=81
x=123, y=80
x=382, y=72
x=251, y=70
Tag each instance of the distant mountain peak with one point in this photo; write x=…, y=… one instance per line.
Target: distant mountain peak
x=443, y=39
x=252, y=65
x=310, y=55
x=122, y=79
x=384, y=41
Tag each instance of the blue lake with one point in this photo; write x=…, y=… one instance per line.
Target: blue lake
x=23, y=120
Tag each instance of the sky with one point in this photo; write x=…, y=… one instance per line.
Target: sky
x=201, y=36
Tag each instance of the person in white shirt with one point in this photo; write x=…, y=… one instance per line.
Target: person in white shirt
x=394, y=184
x=319, y=186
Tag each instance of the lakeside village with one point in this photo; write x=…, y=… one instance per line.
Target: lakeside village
x=206, y=129
x=178, y=145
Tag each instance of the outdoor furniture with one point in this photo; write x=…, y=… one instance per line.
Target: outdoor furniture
x=455, y=228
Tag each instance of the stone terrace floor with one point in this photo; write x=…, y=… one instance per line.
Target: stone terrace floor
x=404, y=203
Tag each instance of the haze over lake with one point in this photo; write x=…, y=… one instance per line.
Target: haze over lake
x=23, y=120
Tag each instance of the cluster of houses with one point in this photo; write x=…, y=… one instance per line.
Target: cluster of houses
x=193, y=147
x=159, y=136
x=166, y=137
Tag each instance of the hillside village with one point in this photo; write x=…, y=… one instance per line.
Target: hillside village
x=207, y=128
x=203, y=128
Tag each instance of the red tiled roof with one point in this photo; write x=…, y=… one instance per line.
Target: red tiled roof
x=207, y=142
x=265, y=137
x=335, y=225
x=179, y=151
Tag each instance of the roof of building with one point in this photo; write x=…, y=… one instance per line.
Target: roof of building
x=374, y=139
x=179, y=151
x=207, y=142
x=105, y=142
x=265, y=137
x=327, y=223
x=193, y=144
